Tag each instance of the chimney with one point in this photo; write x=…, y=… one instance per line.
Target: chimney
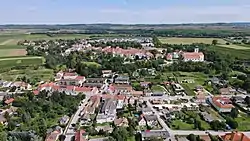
x=196, y=50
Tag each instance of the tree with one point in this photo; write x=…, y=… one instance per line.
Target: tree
x=217, y=125
x=231, y=122
x=191, y=137
x=214, y=42
x=234, y=113
x=3, y=136
x=247, y=100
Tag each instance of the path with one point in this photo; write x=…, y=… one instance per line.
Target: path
x=6, y=42
x=15, y=58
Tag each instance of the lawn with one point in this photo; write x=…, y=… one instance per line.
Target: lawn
x=243, y=122
x=176, y=40
x=180, y=125
x=20, y=61
x=12, y=52
x=237, y=53
x=41, y=73
x=157, y=88
x=234, y=46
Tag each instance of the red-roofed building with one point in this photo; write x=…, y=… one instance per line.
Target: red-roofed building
x=54, y=135
x=80, y=135
x=169, y=57
x=222, y=104
x=235, y=136
x=69, y=79
x=195, y=56
x=9, y=101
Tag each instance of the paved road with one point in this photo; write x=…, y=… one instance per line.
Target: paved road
x=69, y=130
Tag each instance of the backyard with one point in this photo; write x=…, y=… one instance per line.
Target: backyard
x=243, y=122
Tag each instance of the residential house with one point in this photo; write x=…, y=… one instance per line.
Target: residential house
x=69, y=79
x=200, y=98
x=241, y=91
x=169, y=57
x=145, y=84
x=178, y=88
x=123, y=89
x=106, y=73
x=9, y=101
x=137, y=93
x=157, y=93
x=101, y=118
x=222, y=104
x=195, y=56
x=147, y=111
x=54, y=135
x=120, y=103
x=235, y=136
x=227, y=91
x=107, y=128
x=121, y=80
x=199, y=88
x=190, y=106
x=64, y=120
x=80, y=135
x=238, y=99
x=95, y=80
x=121, y=122
x=148, y=134
x=21, y=85
x=151, y=120
x=215, y=80
x=142, y=121
x=207, y=117
x=109, y=107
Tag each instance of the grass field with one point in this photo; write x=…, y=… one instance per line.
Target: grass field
x=234, y=46
x=239, y=53
x=9, y=47
x=41, y=73
x=243, y=122
x=20, y=61
x=175, y=40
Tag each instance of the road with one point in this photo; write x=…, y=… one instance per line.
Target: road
x=183, y=132
x=69, y=130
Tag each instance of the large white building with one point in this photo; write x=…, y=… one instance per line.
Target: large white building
x=195, y=56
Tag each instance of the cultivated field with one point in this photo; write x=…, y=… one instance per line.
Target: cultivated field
x=9, y=47
x=233, y=46
x=175, y=40
x=20, y=61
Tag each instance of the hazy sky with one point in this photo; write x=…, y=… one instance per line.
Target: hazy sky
x=122, y=11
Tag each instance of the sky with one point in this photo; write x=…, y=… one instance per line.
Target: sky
x=123, y=11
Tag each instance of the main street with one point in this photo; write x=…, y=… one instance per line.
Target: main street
x=69, y=130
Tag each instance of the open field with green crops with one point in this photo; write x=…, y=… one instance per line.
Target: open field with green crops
x=235, y=46
x=41, y=74
x=175, y=40
x=9, y=47
x=239, y=53
x=20, y=61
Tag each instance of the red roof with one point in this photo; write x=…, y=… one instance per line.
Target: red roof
x=222, y=102
x=192, y=55
x=79, y=136
x=83, y=89
x=80, y=77
x=69, y=74
x=235, y=136
x=169, y=56
x=70, y=88
x=8, y=101
x=36, y=92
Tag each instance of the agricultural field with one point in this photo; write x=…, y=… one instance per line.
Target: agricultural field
x=175, y=40
x=239, y=53
x=20, y=61
x=40, y=73
x=235, y=46
x=9, y=47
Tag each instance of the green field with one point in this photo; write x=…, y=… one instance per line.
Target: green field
x=239, y=53
x=157, y=88
x=20, y=61
x=9, y=47
x=175, y=40
x=243, y=122
x=234, y=46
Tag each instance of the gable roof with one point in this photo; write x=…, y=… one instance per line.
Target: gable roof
x=235, y=136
